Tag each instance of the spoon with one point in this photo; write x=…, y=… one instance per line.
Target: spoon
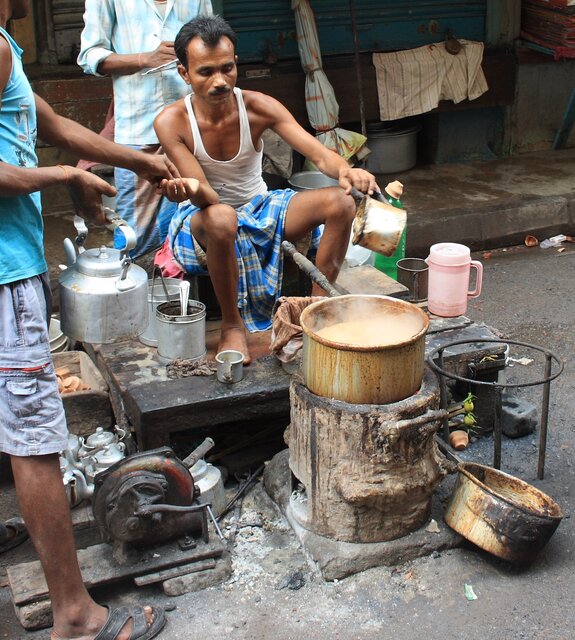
x=184, y=295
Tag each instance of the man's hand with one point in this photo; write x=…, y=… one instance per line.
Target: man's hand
x=86, y=191
x=155, y=168
x=162, y=54
x=180, y=189
x=359, y=179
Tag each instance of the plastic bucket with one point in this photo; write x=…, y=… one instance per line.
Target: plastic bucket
x=181, y=337
x=159, y=290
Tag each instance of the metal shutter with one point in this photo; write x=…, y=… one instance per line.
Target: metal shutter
x=266, y=29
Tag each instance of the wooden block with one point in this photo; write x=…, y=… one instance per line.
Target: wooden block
x=35, y=615
x=200, y=580
x=367, y=280
x=175, y=572
x=86, y=409
x=98, y=567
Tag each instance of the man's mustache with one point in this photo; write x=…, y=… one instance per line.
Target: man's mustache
x=220, y=91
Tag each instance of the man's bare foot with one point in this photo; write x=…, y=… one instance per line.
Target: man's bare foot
x=88, y=628
x=234, y=338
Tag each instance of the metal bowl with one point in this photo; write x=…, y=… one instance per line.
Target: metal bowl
x=304, y=180
x=500, y=513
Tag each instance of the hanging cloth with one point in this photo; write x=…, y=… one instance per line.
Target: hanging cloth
x=321, y=103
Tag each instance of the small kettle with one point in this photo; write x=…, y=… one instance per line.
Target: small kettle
x=377, y=224
x=103, y=295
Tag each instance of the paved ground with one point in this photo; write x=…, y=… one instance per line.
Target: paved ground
x=527, y=296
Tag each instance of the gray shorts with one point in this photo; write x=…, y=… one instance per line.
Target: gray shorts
x=32, y=420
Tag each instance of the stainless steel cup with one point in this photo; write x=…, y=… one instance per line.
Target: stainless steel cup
x=230, y=366
x=413, y=273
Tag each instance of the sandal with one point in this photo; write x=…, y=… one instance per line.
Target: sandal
x=10, y=540
x=117, y=618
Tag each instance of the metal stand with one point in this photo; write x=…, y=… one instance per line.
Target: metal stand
x=498, y=387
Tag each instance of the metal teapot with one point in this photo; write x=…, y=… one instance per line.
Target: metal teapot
x=103, y=295
x=103, y=459
x=77, y=487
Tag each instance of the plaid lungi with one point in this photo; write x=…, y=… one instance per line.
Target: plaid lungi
x=258, y=251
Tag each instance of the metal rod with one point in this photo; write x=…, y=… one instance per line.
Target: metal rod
x=357, y=67
x=544, y=418
x=241, y=491
x=310, y=269
x=162, y=67
x=216, y=525
x=443, y=397
x=497, y=427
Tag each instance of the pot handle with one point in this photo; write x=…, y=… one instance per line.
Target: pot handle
x=358, y=196
x=122, y=226
x=158, y=272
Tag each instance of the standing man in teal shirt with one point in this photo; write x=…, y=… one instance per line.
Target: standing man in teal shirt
x=32, y=421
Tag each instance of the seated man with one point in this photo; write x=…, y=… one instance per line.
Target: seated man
x=232, y=226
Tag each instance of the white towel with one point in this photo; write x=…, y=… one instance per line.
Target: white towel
x=415, y=80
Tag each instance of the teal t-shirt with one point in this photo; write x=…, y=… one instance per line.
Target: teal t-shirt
x=21, y=225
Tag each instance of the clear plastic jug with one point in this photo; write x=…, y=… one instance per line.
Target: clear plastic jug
x=450, y=267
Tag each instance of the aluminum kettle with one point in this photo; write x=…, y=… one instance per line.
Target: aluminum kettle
x=103, y=294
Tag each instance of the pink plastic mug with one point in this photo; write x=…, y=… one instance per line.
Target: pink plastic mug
x=450, y=267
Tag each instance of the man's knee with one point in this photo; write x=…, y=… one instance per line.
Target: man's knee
x=339, y=207
x=220, y=222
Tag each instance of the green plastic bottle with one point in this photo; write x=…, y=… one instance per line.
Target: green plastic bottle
x=388, y=264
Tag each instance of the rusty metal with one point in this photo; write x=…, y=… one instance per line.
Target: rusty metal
x=147, y=498
x=358, y=374
x=501, y=513
x=240, y=492
x=309, y=268
x=544, y=417
x=548, y=376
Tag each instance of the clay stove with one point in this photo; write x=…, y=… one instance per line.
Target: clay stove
x=364, y=473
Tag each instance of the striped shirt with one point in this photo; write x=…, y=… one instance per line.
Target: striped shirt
x=132, y=27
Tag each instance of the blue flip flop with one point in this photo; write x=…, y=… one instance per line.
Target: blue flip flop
x=12, y=533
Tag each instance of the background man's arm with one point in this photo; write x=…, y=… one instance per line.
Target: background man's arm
x=97, y=55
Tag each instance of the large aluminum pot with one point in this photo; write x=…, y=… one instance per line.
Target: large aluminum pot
x=103, y=295
x=501, y=513
x=388, y=371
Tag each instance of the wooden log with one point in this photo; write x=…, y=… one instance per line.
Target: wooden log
x=369, y=471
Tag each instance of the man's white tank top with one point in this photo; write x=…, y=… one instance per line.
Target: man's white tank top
x=238, y=180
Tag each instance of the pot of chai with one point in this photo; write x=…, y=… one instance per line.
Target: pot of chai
x=363, y=349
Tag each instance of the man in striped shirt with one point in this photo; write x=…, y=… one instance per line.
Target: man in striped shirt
x=132, y=41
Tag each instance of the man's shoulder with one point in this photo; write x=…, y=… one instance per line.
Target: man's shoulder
x=171, y=113
x=259, y=102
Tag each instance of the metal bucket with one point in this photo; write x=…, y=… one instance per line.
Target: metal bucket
x=181, y=337
x=306, y=180
x=159, y=290
x=501, y=514
x=380, y=373
x=58, y=341
x=393, y=147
